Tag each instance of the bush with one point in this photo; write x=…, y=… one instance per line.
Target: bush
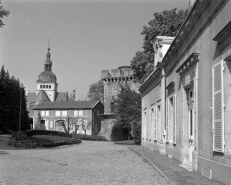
x=90, y=137
x=19, y=136
x=46, y=132
x=137, y=133
x=119, y=133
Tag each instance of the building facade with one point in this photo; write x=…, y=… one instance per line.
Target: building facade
x=83, y=116
x=186, y=99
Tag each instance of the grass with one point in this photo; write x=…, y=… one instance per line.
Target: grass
x=126, y=142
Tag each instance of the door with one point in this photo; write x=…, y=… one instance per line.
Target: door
x=191, y=122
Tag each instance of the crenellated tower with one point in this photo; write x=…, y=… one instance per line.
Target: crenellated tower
x=112, y=85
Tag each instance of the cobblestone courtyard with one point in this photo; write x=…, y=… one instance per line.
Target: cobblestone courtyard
x=87, y=163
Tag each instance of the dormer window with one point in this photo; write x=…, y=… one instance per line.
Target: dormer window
x=41, y=86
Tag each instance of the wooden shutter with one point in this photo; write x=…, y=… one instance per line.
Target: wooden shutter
x=167, y=119
x=149, y=124
x=174, y=119
x=152, y=123
x=218, y=107
x=155, y=120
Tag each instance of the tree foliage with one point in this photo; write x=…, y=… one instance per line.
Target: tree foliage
x=96, y=91
x=128, y=107
x=3, y=13
x=71, y=96
x=11, y=91
x=166, y=23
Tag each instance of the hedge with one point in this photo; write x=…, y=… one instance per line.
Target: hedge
x=90, y=137
x=46, y=132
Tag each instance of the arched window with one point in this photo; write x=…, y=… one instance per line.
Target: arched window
x=46, y=86
x=112, y=108
x=41, y=86
x=49, y=86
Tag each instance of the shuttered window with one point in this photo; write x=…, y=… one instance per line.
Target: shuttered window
x=167, y=120
x=152, y=124
x=171, y=120
x=218, y=107
x=174, y=119
x=155, y=123
x=149, y=124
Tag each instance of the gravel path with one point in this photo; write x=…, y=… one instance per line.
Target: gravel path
x=91, y=162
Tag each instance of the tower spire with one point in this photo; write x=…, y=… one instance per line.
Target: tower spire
x=48, y=63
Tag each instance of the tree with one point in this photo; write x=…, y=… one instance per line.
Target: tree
x=96, y=91
x=128, y=107
x=71, y=96
x=3, y=13
x=12, y=98
x=166, y=23
x=142, y=64
x=76, y=122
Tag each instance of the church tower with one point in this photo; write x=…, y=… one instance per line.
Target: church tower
x=47, y=81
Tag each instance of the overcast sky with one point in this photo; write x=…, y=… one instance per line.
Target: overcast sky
x=87, y=36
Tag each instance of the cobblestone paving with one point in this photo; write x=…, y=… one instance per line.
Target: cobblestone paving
x=91, y=162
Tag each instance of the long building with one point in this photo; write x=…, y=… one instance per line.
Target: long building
x=186, y=100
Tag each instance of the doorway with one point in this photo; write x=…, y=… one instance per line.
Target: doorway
x=191, y=124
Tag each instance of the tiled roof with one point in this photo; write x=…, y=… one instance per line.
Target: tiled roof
x=66, y=105
x=30, y=97
x=42, y=96
x=61, y=96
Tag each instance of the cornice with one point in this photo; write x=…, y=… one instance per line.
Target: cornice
x=191, y=60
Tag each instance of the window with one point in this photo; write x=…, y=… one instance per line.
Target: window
x=47, y=113
x=42, y=113
x=51, y=124
x=80, y=113
x=218, y=107
x=49, y=86
x=41, y=86
x=171, y=120
x=76, y=113
x=64, y=113
x=46, y=86
x=57, y=113
x=144, y=125
x=154, y=122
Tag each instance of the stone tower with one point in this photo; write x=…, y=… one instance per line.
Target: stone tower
x=47, y=81
x=112, y=85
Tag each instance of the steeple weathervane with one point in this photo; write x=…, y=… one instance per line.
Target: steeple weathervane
x=49, y=44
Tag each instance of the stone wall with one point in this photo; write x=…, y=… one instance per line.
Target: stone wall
x=113, y=81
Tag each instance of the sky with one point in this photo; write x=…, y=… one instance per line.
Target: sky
x=86, y=37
